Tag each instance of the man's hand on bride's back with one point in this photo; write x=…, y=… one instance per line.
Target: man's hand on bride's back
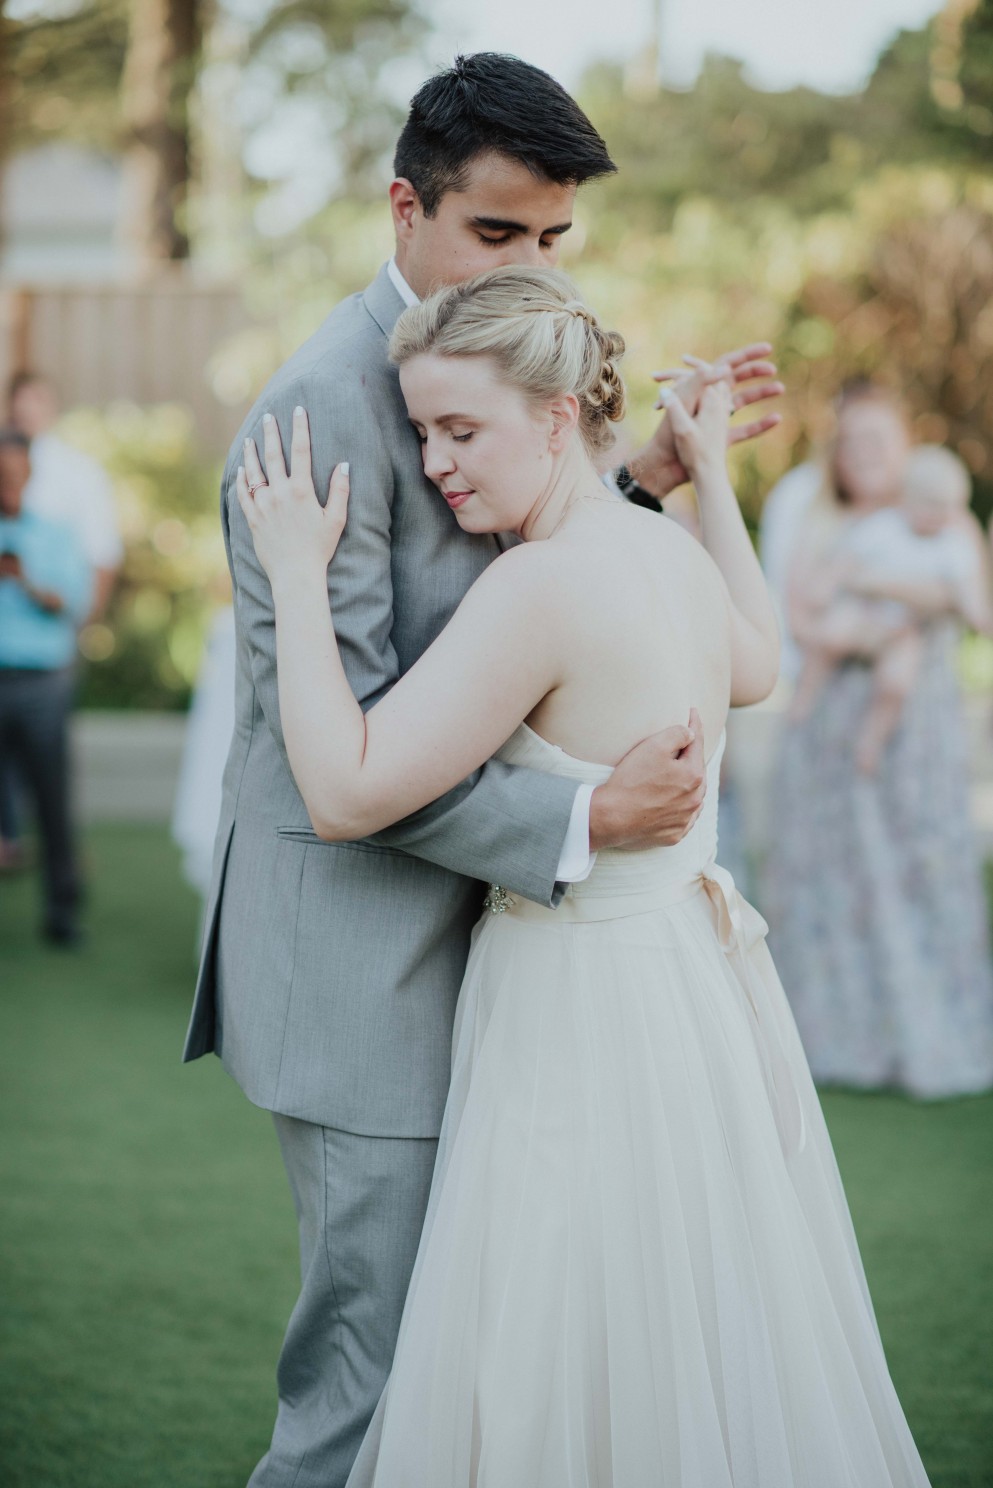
x=656, y=791
x=291, y=530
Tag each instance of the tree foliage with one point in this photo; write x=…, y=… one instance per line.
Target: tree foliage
x=732, y=142
x=855, y=233
x=120, y=75
x=64, y=72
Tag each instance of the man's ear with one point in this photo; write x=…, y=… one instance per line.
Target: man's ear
x=564, y=413
x=405, y=204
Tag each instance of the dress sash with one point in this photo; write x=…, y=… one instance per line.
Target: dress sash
x=741, y=933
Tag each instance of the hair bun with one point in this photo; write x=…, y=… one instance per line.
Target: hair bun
x=607, y=395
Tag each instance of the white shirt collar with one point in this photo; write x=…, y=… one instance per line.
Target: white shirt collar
x=400, y=284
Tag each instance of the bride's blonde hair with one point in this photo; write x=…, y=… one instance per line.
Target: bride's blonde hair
x=543, y=338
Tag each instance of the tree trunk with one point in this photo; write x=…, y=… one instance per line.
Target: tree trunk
x=163, y=50
x=5, y=120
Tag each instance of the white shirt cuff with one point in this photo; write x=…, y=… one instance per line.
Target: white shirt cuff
x=576, y=861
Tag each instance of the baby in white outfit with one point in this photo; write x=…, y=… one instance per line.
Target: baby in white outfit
x=924, y=544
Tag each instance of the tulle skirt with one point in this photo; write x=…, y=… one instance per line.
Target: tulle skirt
x=638, y=1268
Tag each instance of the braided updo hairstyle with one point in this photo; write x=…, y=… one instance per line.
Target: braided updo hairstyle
x=543, y=338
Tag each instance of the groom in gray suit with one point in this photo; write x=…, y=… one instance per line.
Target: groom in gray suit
x=330, y=970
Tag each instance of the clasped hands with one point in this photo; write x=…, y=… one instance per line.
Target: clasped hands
x=751, y=377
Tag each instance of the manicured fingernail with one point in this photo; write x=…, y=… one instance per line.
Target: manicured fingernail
x=343, y=467
x=267, y=418
x=666, y=396
x=297, y=411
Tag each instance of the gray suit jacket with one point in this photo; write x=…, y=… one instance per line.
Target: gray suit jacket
x=330, y=972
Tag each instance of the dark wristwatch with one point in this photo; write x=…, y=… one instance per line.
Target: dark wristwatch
x=631, y=491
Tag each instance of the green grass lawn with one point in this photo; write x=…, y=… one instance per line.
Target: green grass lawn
x=147, y=1247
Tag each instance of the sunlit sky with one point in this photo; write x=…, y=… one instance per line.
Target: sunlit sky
x=829, y=44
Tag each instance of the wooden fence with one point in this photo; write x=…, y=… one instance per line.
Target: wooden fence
x=148, y=343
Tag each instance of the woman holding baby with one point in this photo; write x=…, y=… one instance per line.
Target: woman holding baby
x=875, y=890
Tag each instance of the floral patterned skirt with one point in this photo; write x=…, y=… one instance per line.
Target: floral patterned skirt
x=875, y=894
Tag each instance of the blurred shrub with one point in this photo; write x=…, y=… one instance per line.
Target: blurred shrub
x=146, y=651
x=897, y=287
x=853, y=232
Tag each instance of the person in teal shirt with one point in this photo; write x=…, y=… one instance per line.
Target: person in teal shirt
x=45, y=593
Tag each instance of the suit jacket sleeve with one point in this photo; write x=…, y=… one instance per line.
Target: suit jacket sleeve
x=504, y=824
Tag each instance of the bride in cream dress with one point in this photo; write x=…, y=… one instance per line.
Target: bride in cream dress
x=638, y=1266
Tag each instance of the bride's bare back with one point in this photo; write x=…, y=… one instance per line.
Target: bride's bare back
x=646, y=621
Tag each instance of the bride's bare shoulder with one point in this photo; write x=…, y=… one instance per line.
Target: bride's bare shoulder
x=528, y=578
x=662, y=536
x=676, y=541
x=659, y=527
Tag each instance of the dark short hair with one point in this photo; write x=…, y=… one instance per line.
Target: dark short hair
x=14, y=439
x=861, y=389
x=490, y=102
x=26, y=378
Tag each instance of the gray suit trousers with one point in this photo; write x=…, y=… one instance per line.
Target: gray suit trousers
x=360, y=1202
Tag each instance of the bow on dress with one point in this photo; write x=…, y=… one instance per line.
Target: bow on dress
x=740, y=929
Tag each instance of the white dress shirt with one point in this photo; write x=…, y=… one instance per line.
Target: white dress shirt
x=576, y=861
x=68, y=487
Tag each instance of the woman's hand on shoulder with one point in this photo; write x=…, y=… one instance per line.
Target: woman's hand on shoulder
x=290, y=528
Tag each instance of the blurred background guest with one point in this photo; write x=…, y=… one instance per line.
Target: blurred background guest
x=875, y=894
x=781, y=526
x=73, y=490
x=860, y=601
x=205, y=750
x=45, y=592
x=66, y=485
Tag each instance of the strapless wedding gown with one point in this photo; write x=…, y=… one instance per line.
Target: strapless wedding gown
x=638, y=1268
